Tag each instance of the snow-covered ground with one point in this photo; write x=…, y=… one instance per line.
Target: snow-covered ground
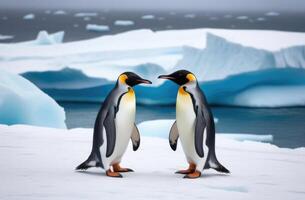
x=38, y=163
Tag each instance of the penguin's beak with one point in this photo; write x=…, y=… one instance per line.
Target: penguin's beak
x=166, y=77
x=145, y=81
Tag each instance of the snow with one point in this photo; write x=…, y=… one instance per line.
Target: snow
x=97, y=28
x=123, y=23
x=148, y=17
x=29, y=16
x=85, y=14
x=216, y=56
x=21, y=102
x=39, y=163
x=6, y=37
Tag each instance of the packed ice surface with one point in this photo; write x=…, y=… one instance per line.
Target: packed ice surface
x=29, y=16
x=123, y=23
x=6, y=37
x=161, y=128
x=97, y=27
x=21, y=102
x=148, y=17
x=221, y=60
x=86, y=14
x=39, y=163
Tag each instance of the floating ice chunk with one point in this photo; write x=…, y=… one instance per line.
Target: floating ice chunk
x=21, y=102
x=85, y=14
x=123, y=23
x=6, y=37
x=190, y=16
x=60, y=12
x=87, y=18
x=242, y=17
x=260, y=19
x=272, y=13
x=148, y=17
x=29, y=16
x=44, y=38
x=97, y=28
x=249, y=137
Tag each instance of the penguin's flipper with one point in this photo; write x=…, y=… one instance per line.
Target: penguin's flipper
x=199, y=131
x=173, y=136
x=109, y=125
x=135, y=138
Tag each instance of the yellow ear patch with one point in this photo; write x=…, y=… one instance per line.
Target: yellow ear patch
x=123, y=78
x=191, y=77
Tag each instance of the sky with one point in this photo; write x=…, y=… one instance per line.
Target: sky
x=196, y=5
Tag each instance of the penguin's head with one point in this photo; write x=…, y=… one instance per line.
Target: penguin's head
x=131, y=79
x=180, y=77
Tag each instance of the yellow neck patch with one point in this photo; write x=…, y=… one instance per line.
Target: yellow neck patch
x=191, y=77
x=130, y=95
x=123, y=78
x=182, y=91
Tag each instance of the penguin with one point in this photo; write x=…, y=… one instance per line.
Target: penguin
x=194, y=126
x=114, y=126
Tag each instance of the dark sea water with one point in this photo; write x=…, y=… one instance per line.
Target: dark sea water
x=12, y=22
x=287, y=125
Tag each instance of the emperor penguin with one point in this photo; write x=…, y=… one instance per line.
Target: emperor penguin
x=114, y=126
x=194, y=126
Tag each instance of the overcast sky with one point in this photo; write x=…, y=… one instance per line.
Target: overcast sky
x=219, y=5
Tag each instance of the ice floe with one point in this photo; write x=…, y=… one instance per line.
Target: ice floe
x=49, y=156
x=97, y=27
x=272, y=13
x=123, y=23
x=29, y=16
x=148, y=17
x=6, y=37
x=21, y=102
x=89, y=14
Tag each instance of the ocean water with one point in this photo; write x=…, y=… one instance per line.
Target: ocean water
x=287, y=125
x=12, y=22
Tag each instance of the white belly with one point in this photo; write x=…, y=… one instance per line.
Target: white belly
x=124, y=122
x=186, y=117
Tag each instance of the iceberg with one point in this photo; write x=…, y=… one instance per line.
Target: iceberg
x=272, y=13
x=29, y=16
x=44, y=38
x=97, y=28
x=234, y=67
x=21, y=102
x=123, y=23
x=60, y=12
x=257, y=169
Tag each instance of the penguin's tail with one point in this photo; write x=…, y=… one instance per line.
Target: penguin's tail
x=215, y=164
x=90, y=162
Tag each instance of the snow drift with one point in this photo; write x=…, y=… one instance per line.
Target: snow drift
x=258, y=170
x=21, y=102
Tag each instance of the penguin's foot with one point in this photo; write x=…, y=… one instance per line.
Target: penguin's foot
x=191, y=169
x=195, y=174
x=118, y=168
x=113, y=174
